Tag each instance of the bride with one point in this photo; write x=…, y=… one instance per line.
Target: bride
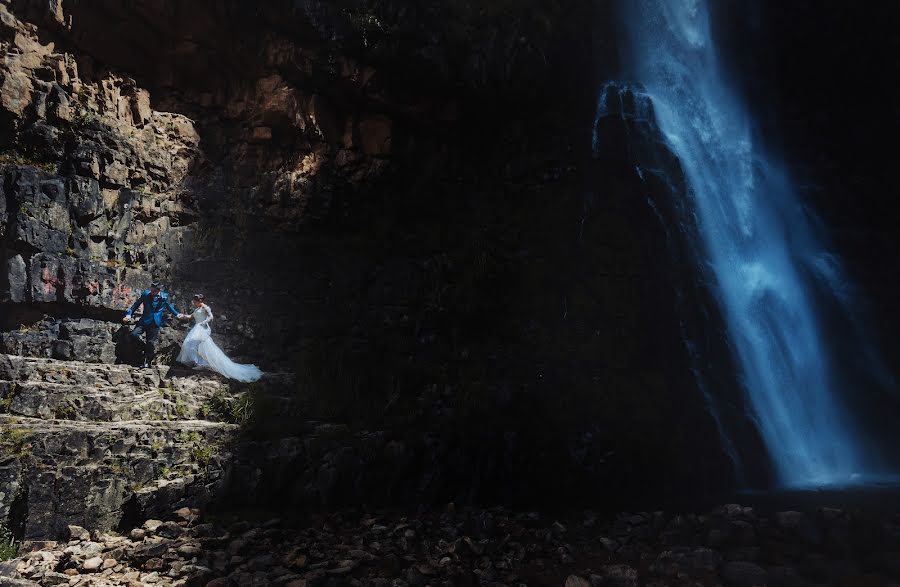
x=199, y=351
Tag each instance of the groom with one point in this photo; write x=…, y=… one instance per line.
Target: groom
x=155, y=302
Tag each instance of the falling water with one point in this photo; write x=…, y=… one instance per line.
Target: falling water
x=757, y=242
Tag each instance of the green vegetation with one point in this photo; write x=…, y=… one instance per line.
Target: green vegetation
x=201, y=449
x=242, y=409
x=14, y=442
x=82, y=113
x=82, y=117
x=238, y=409
x=181, y=409
x=8, y=547
x=202, y=455
x=7, y=399
x=67, y=409
x=183, y=469
x=189, y=438
x=10, y=157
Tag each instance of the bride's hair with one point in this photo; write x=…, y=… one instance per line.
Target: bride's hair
x=199, y=297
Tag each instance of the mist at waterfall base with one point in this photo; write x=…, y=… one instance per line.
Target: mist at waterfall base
x=811, y=376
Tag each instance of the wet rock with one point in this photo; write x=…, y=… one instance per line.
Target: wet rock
x=743, y=574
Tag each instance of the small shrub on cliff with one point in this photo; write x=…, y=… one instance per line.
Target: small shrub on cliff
x=202, y=455
x=82, y=115
x=66, y=410
x=14, y=442
x=8, y=547
x=242, y=409
x=156, y=446
x=188, y=438
x=181, y=409
x=237, y=410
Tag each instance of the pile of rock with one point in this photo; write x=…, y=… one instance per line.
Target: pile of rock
x=732, y=546
x=157, y=553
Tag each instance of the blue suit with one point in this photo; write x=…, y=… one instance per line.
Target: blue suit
x=151, y=320
x=153, y=308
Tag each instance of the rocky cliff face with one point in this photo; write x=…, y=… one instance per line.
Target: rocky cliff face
x=394, y=204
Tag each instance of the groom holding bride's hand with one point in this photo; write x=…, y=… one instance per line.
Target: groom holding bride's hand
x=155, y=302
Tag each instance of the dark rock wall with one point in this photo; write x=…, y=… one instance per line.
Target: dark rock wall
x=395, y=200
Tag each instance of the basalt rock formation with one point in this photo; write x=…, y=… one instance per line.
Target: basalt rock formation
x=393, y=210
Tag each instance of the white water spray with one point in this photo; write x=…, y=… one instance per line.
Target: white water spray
x=757, y=242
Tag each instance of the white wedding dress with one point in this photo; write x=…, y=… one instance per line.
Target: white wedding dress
x=200, y=352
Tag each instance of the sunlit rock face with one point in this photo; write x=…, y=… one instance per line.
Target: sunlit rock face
x=104, y=191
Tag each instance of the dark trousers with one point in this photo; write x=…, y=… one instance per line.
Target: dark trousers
x=152, y=332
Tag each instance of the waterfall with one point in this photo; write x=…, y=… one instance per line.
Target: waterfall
x=758, y=244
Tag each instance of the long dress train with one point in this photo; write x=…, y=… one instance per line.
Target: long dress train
x=199, y=351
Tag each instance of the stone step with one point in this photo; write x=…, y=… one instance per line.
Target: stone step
x=60, y=472
x=52, y=389
x=85, y=402
x=90, y=443
x=16, y=368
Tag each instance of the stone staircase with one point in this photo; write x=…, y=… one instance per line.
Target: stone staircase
x=107, y=446
x=96, y=444
x=50, y=389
